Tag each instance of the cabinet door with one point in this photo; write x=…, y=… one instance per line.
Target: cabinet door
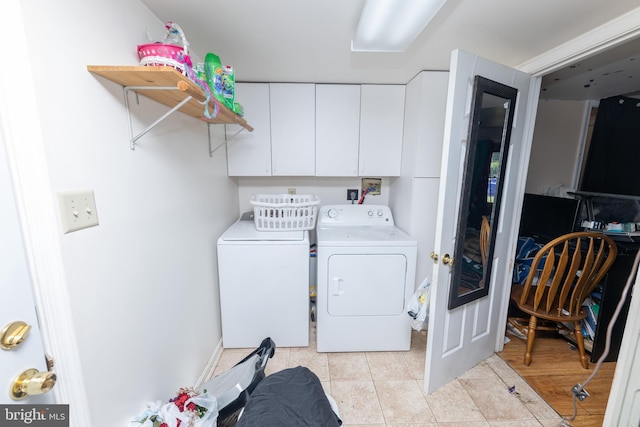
x=249, y=153
x=293, y=129
x=381, y=123
x=337, y=129
x=430, y=126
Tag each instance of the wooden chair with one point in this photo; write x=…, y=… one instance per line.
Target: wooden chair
x=563, y=274
x=484, y=239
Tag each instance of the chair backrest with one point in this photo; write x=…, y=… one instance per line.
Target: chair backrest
x=484, y=239
x=569, y=267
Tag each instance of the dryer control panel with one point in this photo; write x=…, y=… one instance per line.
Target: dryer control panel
x=353, y=215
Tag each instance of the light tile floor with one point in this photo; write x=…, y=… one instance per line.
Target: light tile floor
x=386, y=389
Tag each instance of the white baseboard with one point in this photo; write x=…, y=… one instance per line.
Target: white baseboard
x=208, y=370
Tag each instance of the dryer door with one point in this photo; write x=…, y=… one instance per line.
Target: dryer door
x=366, y=284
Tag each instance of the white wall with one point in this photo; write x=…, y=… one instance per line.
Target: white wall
x=329, y=190
x=557, y=144
x=143, y=284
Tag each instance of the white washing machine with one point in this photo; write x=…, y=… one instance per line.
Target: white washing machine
x=366, y=275
x=264, y=285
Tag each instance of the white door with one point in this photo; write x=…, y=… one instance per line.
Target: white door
x=623, y=408
x=459, y=339
x=36, y=277
x=16, y=298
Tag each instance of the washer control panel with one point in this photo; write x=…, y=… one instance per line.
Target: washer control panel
x=368, y=215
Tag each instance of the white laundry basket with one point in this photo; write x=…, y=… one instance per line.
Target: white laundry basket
x=284, y=212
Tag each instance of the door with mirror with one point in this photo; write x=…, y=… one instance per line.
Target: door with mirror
x=485, y=159
x=485, y=146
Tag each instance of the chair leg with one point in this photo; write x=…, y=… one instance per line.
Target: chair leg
x=531, y=336
x=577, y=331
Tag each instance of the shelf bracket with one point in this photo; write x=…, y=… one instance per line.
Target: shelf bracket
x=133, y=139
x=127, y=89
x=235, y=134
x=211, y=151
x=227, y=139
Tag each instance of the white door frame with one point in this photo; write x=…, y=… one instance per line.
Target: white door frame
x=26, y=154
x=611, y=34
x=622, y=407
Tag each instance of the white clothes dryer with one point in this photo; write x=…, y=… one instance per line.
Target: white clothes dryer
x=264, y=285
x=366, y=276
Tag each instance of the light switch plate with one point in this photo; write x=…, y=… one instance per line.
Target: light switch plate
x=77, y=210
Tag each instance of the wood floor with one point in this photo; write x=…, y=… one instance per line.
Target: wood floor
x=554, y=370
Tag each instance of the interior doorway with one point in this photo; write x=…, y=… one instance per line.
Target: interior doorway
x=611, y=72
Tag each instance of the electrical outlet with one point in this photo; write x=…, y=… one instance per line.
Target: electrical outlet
x=292, y=191
x=352, y=194
x=77, y=210
x=372, y=186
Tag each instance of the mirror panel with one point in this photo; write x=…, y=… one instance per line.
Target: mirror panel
x=485, y=162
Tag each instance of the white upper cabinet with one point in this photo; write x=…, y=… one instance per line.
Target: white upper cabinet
x=424, y=124
x=381, y=125
x=249, y=153
x=305, y=129
x=293, y=129
x=337, y=129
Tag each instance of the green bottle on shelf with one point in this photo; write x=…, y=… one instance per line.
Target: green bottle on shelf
x=214, y=71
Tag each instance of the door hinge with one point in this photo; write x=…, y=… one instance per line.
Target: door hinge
x=50, y=362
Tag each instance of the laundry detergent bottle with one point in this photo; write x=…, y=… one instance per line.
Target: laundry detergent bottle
x=214, y=72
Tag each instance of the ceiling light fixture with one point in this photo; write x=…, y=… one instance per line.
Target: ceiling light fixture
x=391, y=26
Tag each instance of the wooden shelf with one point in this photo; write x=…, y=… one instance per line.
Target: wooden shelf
x=158, y=77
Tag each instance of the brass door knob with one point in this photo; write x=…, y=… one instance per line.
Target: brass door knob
x=14, y=334
x=447, y=260
x=434, y=257
x=32, y=382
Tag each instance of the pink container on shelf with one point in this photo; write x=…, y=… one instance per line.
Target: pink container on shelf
x=166, y=54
